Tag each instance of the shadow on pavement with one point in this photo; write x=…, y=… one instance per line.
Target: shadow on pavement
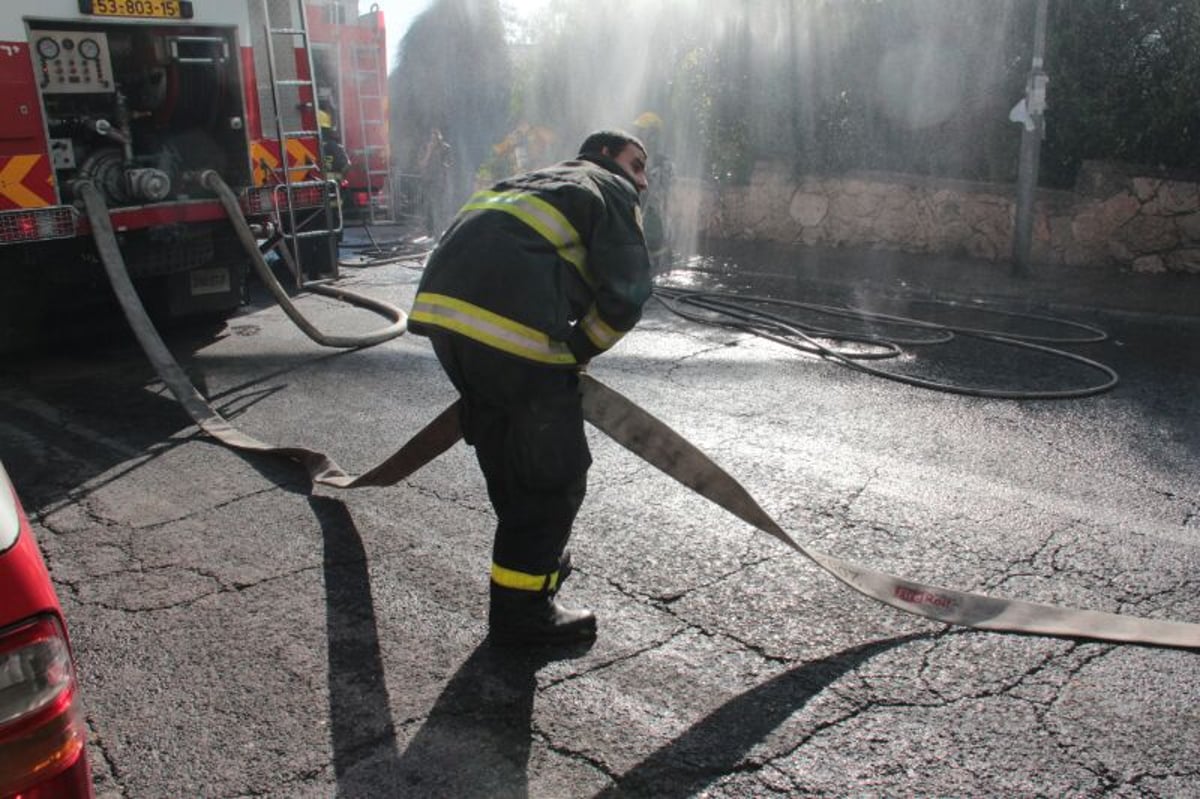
x=476, y=741
x=359, y=707
x=715, y=746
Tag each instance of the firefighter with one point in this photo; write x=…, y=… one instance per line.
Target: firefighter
x=534, y=278
x=649, y=128
x=437, y=169
x=333, y=153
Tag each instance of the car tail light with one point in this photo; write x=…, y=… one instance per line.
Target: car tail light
x=37, y=224
x=42, y=733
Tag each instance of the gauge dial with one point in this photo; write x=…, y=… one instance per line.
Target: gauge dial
x=89, y=49
x=47, y=47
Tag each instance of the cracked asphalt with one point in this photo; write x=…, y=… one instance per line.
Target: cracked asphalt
x=239, y=635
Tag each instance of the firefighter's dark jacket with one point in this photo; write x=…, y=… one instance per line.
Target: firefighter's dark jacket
x=550, y=266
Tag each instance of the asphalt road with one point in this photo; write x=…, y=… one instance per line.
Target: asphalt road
x=242, y=636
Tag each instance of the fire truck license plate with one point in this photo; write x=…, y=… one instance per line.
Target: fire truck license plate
x=163, y=9
x=209, y=281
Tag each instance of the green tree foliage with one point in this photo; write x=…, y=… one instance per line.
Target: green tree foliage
x=1124, y=85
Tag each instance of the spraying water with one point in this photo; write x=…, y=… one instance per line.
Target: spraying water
x=922, y=86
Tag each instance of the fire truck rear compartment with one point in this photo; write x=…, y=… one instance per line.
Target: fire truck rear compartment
x=140, y=110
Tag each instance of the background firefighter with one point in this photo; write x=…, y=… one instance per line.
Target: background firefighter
x=659, y=238
x=534, y=278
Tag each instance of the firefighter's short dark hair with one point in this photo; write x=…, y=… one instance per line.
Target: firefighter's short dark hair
x=612, y=140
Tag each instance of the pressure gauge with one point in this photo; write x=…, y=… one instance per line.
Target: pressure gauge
x=47, y=47
x=89, y=49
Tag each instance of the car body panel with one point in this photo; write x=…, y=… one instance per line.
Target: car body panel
x=25, y=587
x=45, y=754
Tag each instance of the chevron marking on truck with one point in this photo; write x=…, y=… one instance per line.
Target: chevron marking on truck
x=18, y=179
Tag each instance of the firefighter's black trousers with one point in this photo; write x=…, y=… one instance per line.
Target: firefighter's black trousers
x=525, y=422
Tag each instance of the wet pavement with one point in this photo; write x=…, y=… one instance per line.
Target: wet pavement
x=240, y=635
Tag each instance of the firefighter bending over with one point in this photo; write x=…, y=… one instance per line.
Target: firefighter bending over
x=535, y=277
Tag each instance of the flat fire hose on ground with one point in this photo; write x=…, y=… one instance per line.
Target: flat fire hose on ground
x=435, y=439
x=659, y=445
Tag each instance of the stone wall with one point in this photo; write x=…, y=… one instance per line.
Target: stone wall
x=1114, y=217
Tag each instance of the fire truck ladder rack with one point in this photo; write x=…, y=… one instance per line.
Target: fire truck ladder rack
x=368, y=83
x=292, y=231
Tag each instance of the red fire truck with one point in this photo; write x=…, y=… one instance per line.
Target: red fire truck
x=349, y=53
x=140, y=98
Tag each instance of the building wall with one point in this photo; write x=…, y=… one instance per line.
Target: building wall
x=1115, y=217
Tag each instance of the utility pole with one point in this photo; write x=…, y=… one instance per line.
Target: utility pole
x=1031, y=145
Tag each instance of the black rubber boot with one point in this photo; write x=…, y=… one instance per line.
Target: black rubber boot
x=534, y=617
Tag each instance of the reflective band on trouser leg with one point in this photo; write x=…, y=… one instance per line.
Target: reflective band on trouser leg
x=489, y=328
x=510, y=578
x=598, y=331
x=543, y=217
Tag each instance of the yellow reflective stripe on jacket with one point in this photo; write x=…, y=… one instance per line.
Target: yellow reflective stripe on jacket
x=489, y=328
x=598, y=331
x=510, y=578
x=542, y=217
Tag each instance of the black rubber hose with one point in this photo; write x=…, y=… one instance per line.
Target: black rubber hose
x=790, y=333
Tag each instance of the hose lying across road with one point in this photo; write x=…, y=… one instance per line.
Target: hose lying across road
x=659, y=445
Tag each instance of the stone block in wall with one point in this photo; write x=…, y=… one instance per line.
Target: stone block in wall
x=1118, y=209
x=853, y=203
x=1173, y=198
x=1145, y=234
x=1119, y=252
x=990, y=221
x=1185, y=260
x=1149, y=264
x=808, y=209
x=1089, y=228
x=982, y=246
x=898, y=222
x=1060, y=234
x=1145, y=188
x=1189, y=228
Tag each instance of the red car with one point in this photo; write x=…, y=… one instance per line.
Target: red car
x=42, y=733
